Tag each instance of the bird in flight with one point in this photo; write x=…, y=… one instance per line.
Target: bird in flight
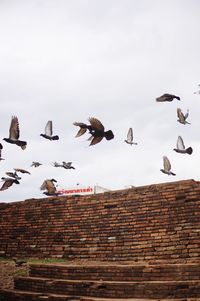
x=1, y=147
x=49, y=132
x=68, y=165
x=14, y=134
x=129, y=138
x=167, y=97
x=50, y=187
x=96, y=129
x=36, y=164
x=8, y=182
x=13, y=175
x=167, y=167
x=181, y=117
x=21, y=170
x=180, y=147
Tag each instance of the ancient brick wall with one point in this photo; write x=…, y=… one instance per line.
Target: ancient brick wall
x=150, y=223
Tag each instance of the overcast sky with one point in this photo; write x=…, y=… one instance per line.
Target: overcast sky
x=67, y=61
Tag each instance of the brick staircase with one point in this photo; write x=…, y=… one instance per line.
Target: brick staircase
x=107, y=281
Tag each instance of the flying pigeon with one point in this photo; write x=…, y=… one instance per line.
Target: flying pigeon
x=167, y=97
x=67, y=165
x=97, y=132
x=181, y=117
x=13, y=175
x=50, y=187
x=7, y=183
x=129, y=138
x=36, y=164
x=1, y=147
x=21, y=170
x=180, y=147
x=14, y=134
x=49, y=132
x=167, y=167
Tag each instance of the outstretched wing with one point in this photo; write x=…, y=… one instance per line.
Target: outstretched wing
x=6, y=184
x=180, y=115
x=96, y=124
x=166, y=164
x=21, y=170
x=14, y=128
x=95, y=140
x=82, y=130
x=180, y=144
x=130, y=135
x=49, y=128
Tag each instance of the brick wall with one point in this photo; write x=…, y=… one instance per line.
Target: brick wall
x=150, y=223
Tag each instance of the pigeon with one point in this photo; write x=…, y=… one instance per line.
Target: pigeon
x=50, y=187
x=129, y=138
x=49, y=132
x=56, y=164
x=167, y=167
x=180, y=147
x=21, y=170
x=14, y=134
x=13, y=175
x=19, y=262
x=36, y=164
x=181, y=117
x=1, y=147
x=8, y=182
x=167, y=97
x=67, y=165
x=97, y=131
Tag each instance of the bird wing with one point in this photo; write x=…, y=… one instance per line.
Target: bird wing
x=180, y=144
x=96, y=124
x=6, y=184
x=11, y=174
x=130, y=135
x=50, y=186
x=14, y=128
x=180, y=115
x=44, y=185
x=1, y=147
x=187, y=114
x=49, y=128
x=21, y=170
x=166, y=164
x=96, y=140
x=67, y=164
x=82, y=130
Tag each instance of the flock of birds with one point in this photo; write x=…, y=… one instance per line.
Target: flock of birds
x=97, y=132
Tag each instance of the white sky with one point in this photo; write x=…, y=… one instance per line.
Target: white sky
x=69, y=60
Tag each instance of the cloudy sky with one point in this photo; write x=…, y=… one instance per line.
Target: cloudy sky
x=67, y=61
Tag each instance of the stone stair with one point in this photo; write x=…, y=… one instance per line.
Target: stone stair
x=109, y=282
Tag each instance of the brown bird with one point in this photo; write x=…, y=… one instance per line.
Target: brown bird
x=49, y=132
x=14, y=134
x=181, y=117
x=167, y=97
x=21, y=170
x=49, y=186
x=8, y=182
x=97, y=132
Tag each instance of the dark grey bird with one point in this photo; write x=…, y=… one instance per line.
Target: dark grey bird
x=181, y=117
x=49, y=132
x=180, y=147
x=14, y=134
x=167, y=167
x=22, y=170
x=167, y=97
x=19, y=262
x=8, y=182
x=129, y=138
x=50, y=187
x=68, y=165
x=1, y=147
x=13, y=175
x=36, y=164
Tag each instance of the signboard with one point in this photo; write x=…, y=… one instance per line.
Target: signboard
x=83, y=190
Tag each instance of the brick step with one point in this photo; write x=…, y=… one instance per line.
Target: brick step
x=16, y=295
x=109, y=289
x=117, y=272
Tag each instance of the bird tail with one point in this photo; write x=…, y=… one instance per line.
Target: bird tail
x=173, y=174
x=22, y=144
x=177, y=97
x=109, y=135
x=189, y=150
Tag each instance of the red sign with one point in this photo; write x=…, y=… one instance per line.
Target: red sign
x=87, y=190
